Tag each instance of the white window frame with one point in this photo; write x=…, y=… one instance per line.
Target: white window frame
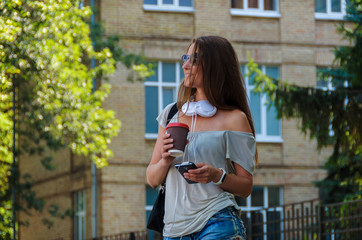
x=249, y=208
x=332, y=15
x=262, y=137
x=160, y=85
x=79, y=215
x=175, y=7
x=256, y=12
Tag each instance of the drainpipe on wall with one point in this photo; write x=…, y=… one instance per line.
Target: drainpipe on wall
x=94, y=169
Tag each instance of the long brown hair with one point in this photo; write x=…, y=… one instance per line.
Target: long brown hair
x=223, y=84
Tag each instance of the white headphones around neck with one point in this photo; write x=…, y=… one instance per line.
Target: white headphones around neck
x=202, y=108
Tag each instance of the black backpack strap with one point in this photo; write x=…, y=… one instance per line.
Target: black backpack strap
x=172, y=113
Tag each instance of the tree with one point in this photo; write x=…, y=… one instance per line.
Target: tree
x=45, y=53
x=332, y=117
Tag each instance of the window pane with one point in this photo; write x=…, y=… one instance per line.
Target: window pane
x=257, y=225
x=153, y=235
x=272, y=123
x=322, y=79
x=76, y=227
x=273, y=225
x=237, y=4
x=273, y=126
x=242, y=70
x=168, y=96
x=253, y=4
x=336, y=5
x=151, y=109
x=270, y=5
x=153, y=78
x=168, y=72
x=320, y=6
x=322, y=83
x=151, y=195
x=251, y=78
x=154, y=2
x=79, y=215
x=272, y=72
x=167, y=1
x=240, y=201
x=182, y=75
x=257, y=197
x=256, y=111
x=274, y=196
x=185, y=3
x=83, y=227
x=81, y=201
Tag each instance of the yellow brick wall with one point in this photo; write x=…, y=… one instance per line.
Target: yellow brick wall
x=297, y=21
x=39, y=231
x=296, y=42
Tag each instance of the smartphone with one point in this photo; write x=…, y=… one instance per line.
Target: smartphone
x=184, y=167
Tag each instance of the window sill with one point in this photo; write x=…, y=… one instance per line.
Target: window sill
x=168, y=8
x=150, y=136
x=329, y=16
x=269, y=139
x=253, y=13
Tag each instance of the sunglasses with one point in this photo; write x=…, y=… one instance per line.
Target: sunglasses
x=192, y=58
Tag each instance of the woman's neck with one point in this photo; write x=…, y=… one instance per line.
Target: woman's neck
x=200, y=95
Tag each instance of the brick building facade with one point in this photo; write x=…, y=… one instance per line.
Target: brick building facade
x=289, y=38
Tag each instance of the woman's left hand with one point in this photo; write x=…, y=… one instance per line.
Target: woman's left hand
x=204, y=173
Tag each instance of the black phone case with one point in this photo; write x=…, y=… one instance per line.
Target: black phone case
x=184, y=168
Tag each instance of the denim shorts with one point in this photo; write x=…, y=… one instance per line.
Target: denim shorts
x=224, y=225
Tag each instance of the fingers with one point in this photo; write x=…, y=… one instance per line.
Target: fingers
x=197, y=178
x=167, y=144
x=200, y=165
x=201, y=174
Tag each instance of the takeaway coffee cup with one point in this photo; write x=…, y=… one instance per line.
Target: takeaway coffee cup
x=178, y=132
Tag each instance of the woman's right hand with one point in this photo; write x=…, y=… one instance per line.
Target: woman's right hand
x=167, y=144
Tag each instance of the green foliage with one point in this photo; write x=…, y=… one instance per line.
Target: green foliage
x=332, y=117
x=45, y=54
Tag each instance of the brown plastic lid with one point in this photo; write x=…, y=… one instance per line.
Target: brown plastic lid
x=177, y=125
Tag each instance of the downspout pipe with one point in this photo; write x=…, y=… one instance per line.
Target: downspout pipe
x=94, y=169
x=14, y=165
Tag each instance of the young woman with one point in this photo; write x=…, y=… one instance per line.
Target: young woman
x=212, y=101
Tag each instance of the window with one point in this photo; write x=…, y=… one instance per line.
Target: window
x=79, y=215
x=267, y=126
x=264, y=197
x=151, y=195
x=169, y=5
x=81, y=4
x=160, y=90
x=330, y=9
x=257, y=8
x=326, y=83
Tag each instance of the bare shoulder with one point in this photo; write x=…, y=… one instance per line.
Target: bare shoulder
x=237, y=121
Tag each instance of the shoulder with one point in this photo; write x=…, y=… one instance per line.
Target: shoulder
x=162, y=118
x=237, y=121
x=168, y=107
